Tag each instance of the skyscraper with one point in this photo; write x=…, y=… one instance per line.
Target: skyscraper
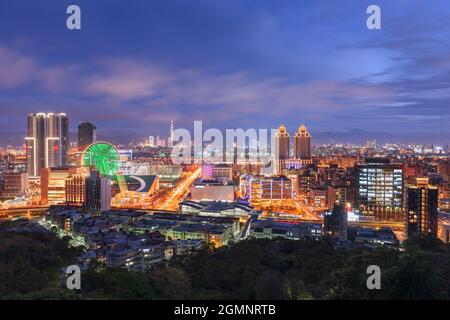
x=98, y=192
x=171, y=136
x=421, y=206
x=380, y=189
x=35, y=142
x=282, y=143
x=86, y=134
x=282, y=149
x=302, y=144
x=57, y=139
x=47, y=141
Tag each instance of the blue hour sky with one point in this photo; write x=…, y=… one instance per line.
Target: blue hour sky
x=135, y=65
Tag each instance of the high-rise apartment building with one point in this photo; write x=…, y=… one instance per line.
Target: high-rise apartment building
x=75, y=187
x=380, y=189
x=421, y=204
x=47, y=141
x=340, y=192
x=335, y=223
x=302, y=144
x=98, y=193
x=86, y=134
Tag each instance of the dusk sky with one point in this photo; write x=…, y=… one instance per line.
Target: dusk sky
x=135, y=65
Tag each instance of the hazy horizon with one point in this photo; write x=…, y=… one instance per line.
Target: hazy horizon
x=135, y=66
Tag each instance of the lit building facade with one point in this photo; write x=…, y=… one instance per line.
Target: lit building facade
x=171, y=135
x=322, y=197
x=305, y=181
x=335, y=223
x=14, y=184
x=47, y=141
x=212, y=190
x=53, y=185
x=271, y=229
x=340, y=193
x=282, y=148
x=302, y=144
x=216, y=209
x=221, y=172
x=75, y=187
x=268, y=190
x=98, y=193
x=380, y=189
x=421, y=205
x=444, y=232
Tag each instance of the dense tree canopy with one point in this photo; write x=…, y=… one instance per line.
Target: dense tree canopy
x=32, y=263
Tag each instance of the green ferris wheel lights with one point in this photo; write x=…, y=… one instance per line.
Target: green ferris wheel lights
x=103, y=156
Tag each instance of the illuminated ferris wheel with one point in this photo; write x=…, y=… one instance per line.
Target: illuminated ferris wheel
x=103, y=156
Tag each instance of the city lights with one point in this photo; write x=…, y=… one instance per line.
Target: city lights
x=224, y=155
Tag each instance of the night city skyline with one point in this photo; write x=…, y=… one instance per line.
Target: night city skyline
x=252, y=65
x=225, y=158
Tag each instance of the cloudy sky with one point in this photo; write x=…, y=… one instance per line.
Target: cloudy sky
x=135, y=65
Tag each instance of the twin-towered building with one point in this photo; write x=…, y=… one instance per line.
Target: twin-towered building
x=302, y=144
x=47, y=141
x=301, y=152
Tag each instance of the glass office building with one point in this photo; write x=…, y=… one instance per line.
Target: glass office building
x=380, y=189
